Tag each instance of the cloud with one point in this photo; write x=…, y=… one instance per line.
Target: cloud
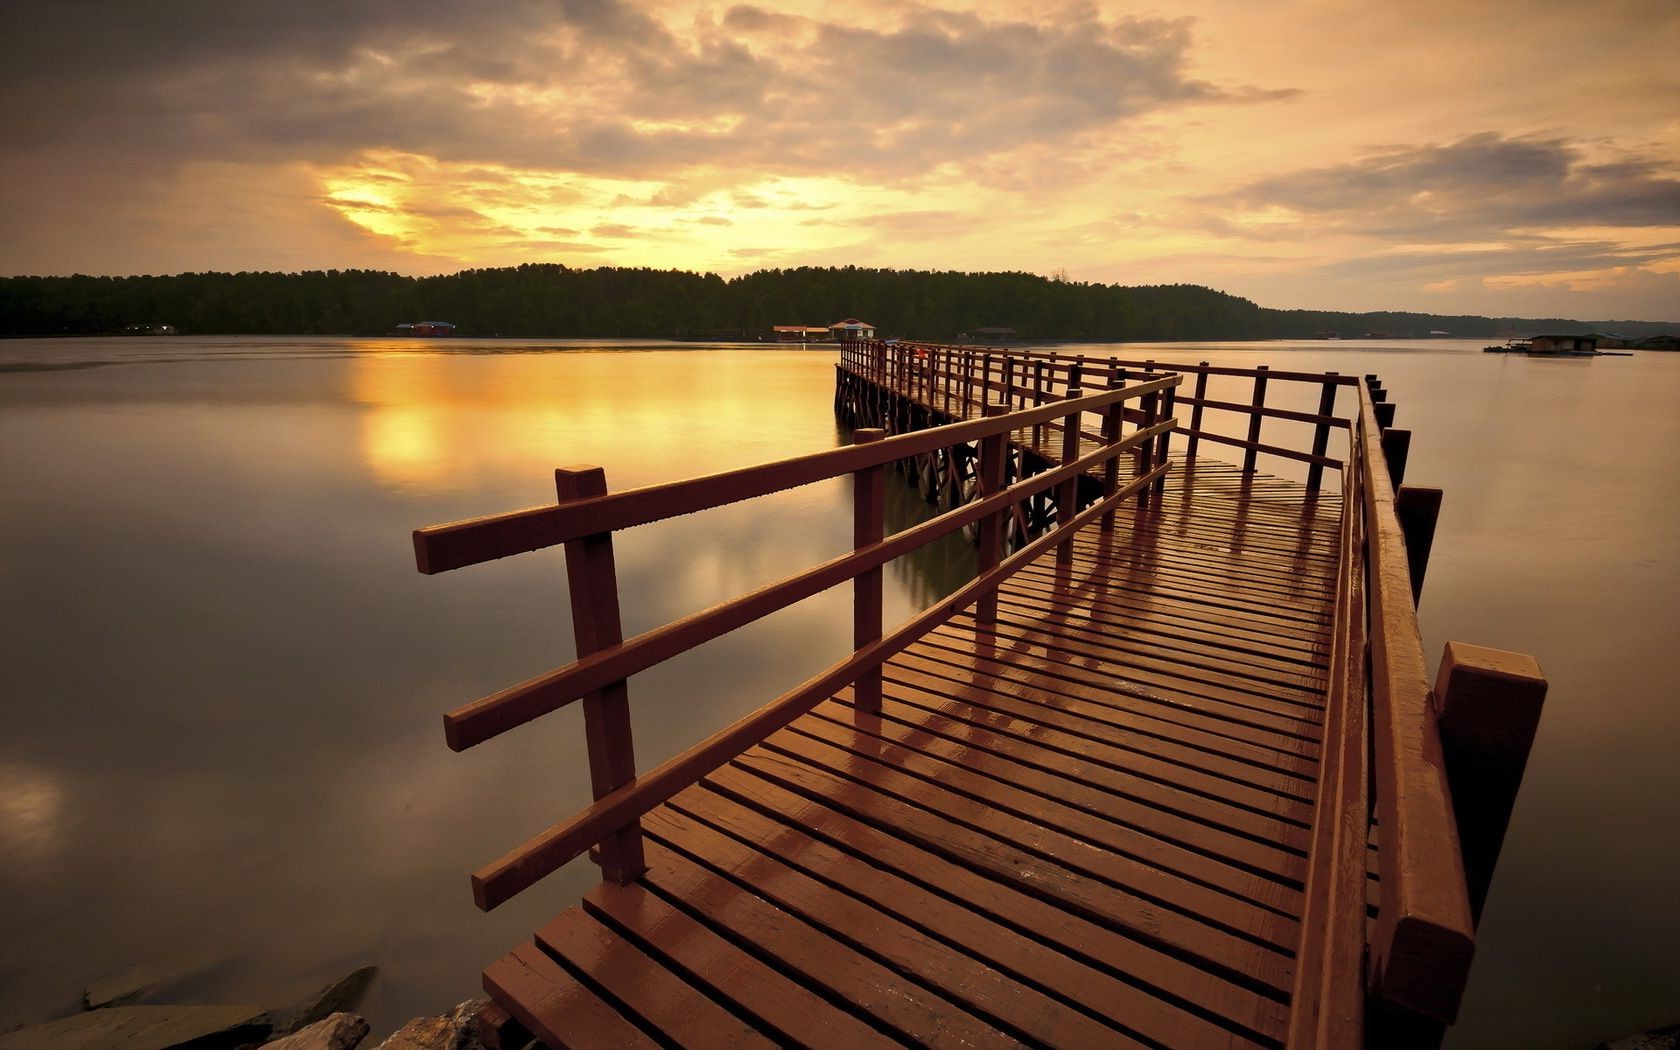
x=590, y=86
x=1481, y=186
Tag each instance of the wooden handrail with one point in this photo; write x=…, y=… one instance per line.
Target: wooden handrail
x=1033, y=377
x=500, y=880
x=1328, y=997
x=496, y=714
x=586, y=518
x=1424, y=938
x=440, y=548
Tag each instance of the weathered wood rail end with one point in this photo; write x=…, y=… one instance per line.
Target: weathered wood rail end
x=1168, y=772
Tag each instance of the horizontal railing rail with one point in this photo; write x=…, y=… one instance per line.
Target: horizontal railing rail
x=1421, y=949
x=957, y=379
x=584, y=522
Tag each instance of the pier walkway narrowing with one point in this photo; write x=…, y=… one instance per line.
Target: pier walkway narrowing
x=1119, y=790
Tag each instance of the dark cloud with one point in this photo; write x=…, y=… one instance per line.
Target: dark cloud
x=1483, y=186
x=592, y=86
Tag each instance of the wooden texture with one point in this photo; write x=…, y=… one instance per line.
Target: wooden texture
x=1490, y=704
x=1118, y=796
x=1050, y=834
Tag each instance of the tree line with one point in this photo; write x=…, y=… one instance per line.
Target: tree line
x=556, y=301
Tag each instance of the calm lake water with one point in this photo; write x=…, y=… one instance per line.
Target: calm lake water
x=221, y=678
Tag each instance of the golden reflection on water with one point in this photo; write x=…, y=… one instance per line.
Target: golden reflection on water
x=31, y=815
x=459, y=420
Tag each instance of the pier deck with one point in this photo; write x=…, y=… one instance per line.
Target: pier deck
x=1086, y=811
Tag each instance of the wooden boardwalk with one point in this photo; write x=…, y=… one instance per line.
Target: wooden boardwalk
x=1085, y=820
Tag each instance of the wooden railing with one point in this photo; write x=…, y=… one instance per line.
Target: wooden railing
x=954, y=380
x=587, y=515
x=1428, y=776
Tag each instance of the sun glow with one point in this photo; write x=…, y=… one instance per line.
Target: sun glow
x=492, y=215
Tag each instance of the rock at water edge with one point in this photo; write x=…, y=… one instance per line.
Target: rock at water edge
x=341, y=1031
x=455, y=1030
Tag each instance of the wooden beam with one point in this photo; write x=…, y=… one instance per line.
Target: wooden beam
x=1418, y=509
x=1489, y=704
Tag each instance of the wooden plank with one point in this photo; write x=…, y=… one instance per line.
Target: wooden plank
x=1048, y=827
x=554, y=1005
x=783, y=1007
x=981, y=989
x=1195, y=852
x=659, y=999
x=1163, y=808
x=1159, y=756
x=1175, y=985
x=1078, y=875
x=1074, y=983
x=911, y=1011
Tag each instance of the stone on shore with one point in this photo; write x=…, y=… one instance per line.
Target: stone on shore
x=146, y=1028
x=455, y=1030
x=341, y=1031
x=343, y=996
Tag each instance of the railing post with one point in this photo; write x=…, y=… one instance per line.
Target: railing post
x=868, y=527
x=593, y=582
x=993, y=449
x=1112, y=418
x=1488, y=707
x=1396, y=444
x=1418, y=510
x=1384, y=411
x=1038, y=399
x=1196, y=416
x=1321, y=435
x=1250, y=454
x=1067, y=498
x=1146, y=449
x=1168, y=396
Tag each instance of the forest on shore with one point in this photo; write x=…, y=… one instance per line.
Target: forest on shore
x=556, y=301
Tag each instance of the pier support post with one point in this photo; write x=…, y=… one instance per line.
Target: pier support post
x=993, y=449
x=1396, y=444
x=868, y=527
x=1418, y=510
x=1384, y=411
x=593, y=581
x=1488, y=706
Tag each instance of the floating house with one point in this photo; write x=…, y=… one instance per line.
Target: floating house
x=1563, y=344
x=429, y=328
x=989, y=335
x=852, y=328
x=798, y=333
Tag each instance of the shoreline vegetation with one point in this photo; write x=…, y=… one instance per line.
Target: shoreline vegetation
x=559, y=302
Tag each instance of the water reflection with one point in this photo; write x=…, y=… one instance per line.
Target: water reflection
x=31, y=816
x=222, y=677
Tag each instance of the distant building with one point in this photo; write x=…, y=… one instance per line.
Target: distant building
x=988, y=335
x=798, y=333
x=852, y=328
x=428, y=328
x=1563, y=344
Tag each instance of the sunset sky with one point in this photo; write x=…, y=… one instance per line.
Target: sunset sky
x=1491, y=157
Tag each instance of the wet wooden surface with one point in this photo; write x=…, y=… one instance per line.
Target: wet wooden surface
x=1086, y=826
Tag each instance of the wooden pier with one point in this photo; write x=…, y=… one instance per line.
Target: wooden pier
x=1168, y=772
